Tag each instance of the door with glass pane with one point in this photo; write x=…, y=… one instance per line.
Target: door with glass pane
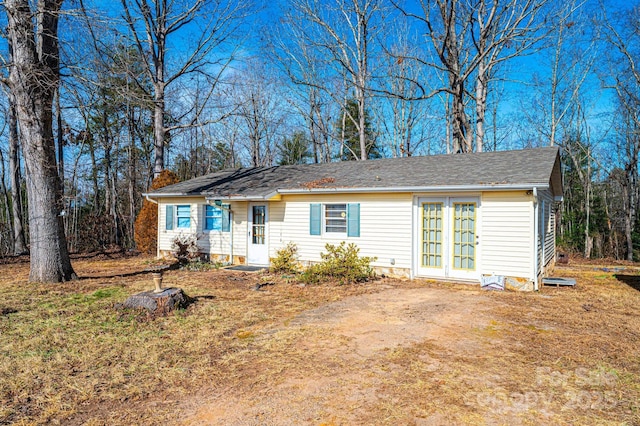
x=258, y=244
x=431, y=238
x=447, y=237
x=464, y=241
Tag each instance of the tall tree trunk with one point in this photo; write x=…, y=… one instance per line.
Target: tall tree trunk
x=19, y=240
x=132, y=176
x=6, y=216
x=481, y=105
x=362, y=130
x=461, y=127
x=34, y=79
x=159, y=131
x=60, y=137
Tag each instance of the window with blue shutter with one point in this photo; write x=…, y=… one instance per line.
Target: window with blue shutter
x=353, y=220
x=315, y=219
x=217, y=218
x=168, y=222
x=212, y=218
x=183, y=216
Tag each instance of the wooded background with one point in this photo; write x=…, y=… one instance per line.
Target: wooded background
x=203, y=85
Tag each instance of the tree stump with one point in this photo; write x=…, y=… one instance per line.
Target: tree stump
x=158, y=303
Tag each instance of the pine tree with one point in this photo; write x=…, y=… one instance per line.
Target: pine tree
x=347, y=132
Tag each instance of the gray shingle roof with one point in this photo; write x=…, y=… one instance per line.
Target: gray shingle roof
x=538, y=167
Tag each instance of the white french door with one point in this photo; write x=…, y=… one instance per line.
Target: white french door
x=447, y=237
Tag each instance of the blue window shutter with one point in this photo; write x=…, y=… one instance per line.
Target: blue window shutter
x=169, y=217
x=226, y=218
x=315, y=219
x=353, y=220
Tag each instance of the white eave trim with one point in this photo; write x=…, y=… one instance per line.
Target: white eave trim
x=242, y=197
x=338, y=190
x=417, y=189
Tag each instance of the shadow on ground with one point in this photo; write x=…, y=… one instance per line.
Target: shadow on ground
x=632, y=281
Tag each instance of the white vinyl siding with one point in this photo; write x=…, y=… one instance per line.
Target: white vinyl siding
x=506, y=234
x=215, y=243
x=385, y=227
x=546, y=229
x=166, y=236
x=388, y=229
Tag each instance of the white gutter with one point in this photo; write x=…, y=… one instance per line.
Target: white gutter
x=536, y=236
x=386, y=189
x=222, y=207
x=169, y=194
x=450, y=188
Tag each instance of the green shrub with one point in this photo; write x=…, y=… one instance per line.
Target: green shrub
x=286, y=260
x=341, y=263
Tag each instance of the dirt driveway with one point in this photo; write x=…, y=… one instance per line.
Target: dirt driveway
x=351, y=339
x=429, y=356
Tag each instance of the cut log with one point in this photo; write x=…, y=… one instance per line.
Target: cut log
x=158, y=303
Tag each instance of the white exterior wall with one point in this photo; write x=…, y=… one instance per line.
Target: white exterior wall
x=547, y=240
x=216, y=243
x=385, y=227
x=506, y=234
x=165, y=237
x=506, y=230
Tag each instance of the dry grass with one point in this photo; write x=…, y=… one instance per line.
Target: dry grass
x=560, y=356
x=67, y=356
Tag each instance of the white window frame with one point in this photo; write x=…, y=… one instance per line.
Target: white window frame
x=344, y=217
x=204, y=218
x=177, y=216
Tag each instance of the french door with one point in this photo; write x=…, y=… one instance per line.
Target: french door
x=447, y=237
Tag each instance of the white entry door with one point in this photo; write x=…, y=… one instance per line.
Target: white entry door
x=447, y=237
x=258, y=244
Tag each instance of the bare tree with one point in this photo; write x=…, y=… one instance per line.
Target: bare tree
x=571, y=55
x=19, y=240
x=261, y=113
x=469, y=41
x=34, y=78
x=625, y=40
x=154, y=24
x=407, y=123
x=15, y=180
x=305, y=68
x=343, y=32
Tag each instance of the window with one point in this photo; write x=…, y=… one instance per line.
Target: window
x=432, y=235
x=335, y=218
x=259, y=224
x=183, y=217
x=216, y=218
x=464, y=240
x=212, y=218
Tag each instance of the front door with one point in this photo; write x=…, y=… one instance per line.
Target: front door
x=447, y=237
x=258, y=245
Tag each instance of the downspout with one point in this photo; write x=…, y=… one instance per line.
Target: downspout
x=218, y=204
x=536, y=237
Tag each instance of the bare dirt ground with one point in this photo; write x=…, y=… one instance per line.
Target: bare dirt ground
x=354, y=339
x=452, y=355
x=387, y=352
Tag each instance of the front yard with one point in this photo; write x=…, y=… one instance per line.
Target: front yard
x=385, y=352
